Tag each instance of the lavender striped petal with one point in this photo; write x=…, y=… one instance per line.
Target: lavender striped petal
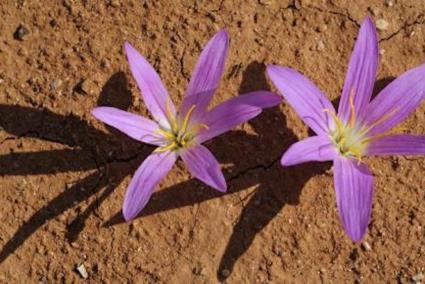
x=354, y=192
x=401, y=144
x=226, y=116
x=361, y=72
x=153, y=91
x=396, y=101
x=135, y=126
x=315, y=148
x=207, y=74
x=202, y=165
x=307, y=100
x=144, y=181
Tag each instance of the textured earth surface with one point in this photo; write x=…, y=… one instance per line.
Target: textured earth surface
x=63, y=174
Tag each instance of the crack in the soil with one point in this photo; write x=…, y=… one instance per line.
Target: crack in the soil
x=345, y=15
x=419, y=20
x=254, y=168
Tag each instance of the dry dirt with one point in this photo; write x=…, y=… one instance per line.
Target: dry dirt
x=63, y=174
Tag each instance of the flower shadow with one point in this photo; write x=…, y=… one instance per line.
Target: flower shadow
x=256, y=162
x=80, y=154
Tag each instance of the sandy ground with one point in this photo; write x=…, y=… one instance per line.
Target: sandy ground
x=63, y=174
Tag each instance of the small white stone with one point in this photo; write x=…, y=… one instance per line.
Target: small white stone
x=382, y=25
x=366, y=246
x=418, y=277
x=82, y=270
x=381, y=51
x=320, y=45
x=389, y=3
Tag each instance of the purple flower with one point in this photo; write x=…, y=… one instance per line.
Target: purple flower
x=360, y=128
x=180, y=133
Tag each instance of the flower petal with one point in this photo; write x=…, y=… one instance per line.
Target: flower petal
x=231, y=113
x=307, y=100
x=354, y=193
x=361, y=72
x=202, y=164
x=153, y=91
x=207, y=74
x=147, y=176
x=399, y=144
x=315, y=148
x=135, y=126
x=397, y=100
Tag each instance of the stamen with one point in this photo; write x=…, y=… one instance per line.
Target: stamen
x=379, y=121
x=187, y=118
x=170, y=116
x=352, y=109
x=204, y=126
x=166, y=134
x=169, y=147
x=338, y=122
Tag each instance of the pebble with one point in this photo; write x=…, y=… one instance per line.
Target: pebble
x=418, y=277
x=366, y=246
x=382, y=25
x=264, y=2
x=381, y=51
x=21, y=32
x=389, y=3
x=320, y=45
x=115, y=3
x=225, y=272
x=82, y=270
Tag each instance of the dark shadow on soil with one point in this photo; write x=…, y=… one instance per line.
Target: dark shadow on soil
x=87, y=149
x=381, y=84
x=277, y=186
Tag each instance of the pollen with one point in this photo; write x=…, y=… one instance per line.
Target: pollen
x=182, y=131
x=352, y=139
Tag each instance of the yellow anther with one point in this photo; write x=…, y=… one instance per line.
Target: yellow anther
x=169, y=147
x=204, y=126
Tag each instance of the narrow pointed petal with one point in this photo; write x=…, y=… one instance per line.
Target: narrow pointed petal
x=401, y=144
x=361, y=72
x=202, y=165
x=397, y=100
x=354, y=193
x=144, y=181
x=207, y=74
x=315, y=148
x=231, y=113
x=133, y=125
x=153, y=91
x=261, y=99
x=301, y=94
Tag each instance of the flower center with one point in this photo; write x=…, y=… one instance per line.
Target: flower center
x=181, y=133
x=352, y=139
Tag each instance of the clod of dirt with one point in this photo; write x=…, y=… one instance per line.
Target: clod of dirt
x=21, y=32
x=382, y=25
x=85, y=86
x=82, y=270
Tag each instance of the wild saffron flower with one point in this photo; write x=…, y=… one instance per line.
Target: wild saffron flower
x=180, y=133
x=361, y=127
